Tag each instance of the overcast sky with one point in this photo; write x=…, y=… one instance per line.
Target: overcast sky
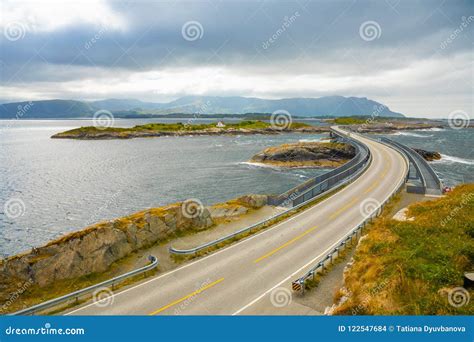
x=414, y=56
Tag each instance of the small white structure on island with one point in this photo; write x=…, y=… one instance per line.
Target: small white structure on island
x=220, y=124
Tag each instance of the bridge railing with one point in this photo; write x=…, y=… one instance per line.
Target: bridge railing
x=431, y=185
x=336, y=181
x=310, y=186
x=355, y=164
x=77, y=294
x=355, y=233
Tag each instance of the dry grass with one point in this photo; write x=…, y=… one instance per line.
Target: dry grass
x=405, y=267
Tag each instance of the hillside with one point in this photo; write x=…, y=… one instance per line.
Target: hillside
x=416, y=266
x=47, y=109
x=307, y=107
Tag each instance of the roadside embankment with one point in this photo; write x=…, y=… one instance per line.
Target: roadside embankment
x=94, y=249
x=414, y=265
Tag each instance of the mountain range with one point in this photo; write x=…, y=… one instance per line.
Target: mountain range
x=332, y=106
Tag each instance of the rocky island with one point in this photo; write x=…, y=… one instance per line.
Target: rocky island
x=428, y=155
x=380, y=125
x=180, y=129
x=306, y=155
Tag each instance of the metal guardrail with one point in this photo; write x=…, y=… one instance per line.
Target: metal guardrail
x=409, y=155
x=75, y=295
x=329, y=182
x=292, y=194
x=299, y=284
x=352, y=173
x=431, y=185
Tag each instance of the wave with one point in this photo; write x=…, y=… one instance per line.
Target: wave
x=312, y=140
x=451, y=159
x=262, y=165
x=410, y=134
x=434, y=129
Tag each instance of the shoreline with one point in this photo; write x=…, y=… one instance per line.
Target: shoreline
x=247, y=127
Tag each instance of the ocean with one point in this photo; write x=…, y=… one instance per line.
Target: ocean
x=52, y=186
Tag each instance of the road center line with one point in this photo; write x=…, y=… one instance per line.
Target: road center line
x=285, y=245
x=344, y=208
x=198, y=291
x=370, y=188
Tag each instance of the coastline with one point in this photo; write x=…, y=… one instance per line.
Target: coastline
x=249, y=127
x=86, y=256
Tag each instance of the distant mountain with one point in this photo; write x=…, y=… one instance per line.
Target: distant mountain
x=322, y=106
x=307, y=107
x=46, y=109
x=124, y=104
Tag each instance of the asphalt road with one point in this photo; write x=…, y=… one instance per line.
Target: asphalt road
x=254, y=276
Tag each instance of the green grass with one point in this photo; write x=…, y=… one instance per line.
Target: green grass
x=408, y=267
x=349, y=121
x=180, y=127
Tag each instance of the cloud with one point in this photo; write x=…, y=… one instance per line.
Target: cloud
x=52, y=15
x=266, y=49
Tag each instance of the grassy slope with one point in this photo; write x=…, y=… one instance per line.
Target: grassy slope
x=407, y=267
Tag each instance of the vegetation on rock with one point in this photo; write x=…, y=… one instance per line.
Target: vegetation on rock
x=307, y=154
x=162, y=129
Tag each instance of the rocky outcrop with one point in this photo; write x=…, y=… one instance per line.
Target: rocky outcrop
x=311, y=154
x=238, y=207
x=95, y=248
x=372, y=126
x=106, y=134
x=428, y=155
x=254, y=201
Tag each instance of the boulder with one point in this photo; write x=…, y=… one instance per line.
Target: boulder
x=254, y=201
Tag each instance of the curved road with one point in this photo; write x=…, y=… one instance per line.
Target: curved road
x=243, y=278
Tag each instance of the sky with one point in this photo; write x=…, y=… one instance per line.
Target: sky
x=414, y=56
